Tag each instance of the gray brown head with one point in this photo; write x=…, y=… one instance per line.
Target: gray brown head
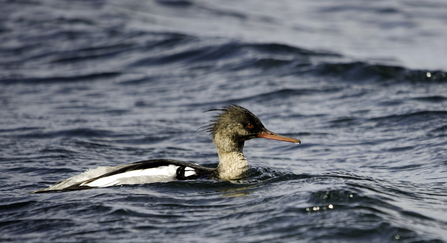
x=238, y=125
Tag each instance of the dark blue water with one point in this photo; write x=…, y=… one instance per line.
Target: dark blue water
x=102, y=83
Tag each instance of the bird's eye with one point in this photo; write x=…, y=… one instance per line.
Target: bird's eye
x=250, y=126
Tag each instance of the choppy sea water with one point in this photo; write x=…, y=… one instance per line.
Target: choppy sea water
x=362, y=84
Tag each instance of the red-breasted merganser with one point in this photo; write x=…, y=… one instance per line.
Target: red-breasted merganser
x=229, y=130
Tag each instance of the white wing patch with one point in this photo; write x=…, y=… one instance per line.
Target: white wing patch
x=159, y=174
x=189, y=171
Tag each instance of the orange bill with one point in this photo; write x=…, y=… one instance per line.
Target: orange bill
x=271, y=135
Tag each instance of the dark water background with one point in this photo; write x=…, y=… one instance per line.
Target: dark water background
x=91, y=83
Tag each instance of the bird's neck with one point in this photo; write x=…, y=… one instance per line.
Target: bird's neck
x=232, y=162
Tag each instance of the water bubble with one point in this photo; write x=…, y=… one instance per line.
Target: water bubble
x=331, y=206
x=428, y=74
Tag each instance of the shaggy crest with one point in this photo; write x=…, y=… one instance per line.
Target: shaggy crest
x=231, y=114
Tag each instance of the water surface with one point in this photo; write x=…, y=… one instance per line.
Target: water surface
x=104, y=83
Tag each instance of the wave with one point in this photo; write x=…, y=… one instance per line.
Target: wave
x=424, y=118
x=77, y=132
x=195, y=54
x=362, y=71
x=62, y=79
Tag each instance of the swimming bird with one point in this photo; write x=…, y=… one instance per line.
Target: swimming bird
x=229, y=130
